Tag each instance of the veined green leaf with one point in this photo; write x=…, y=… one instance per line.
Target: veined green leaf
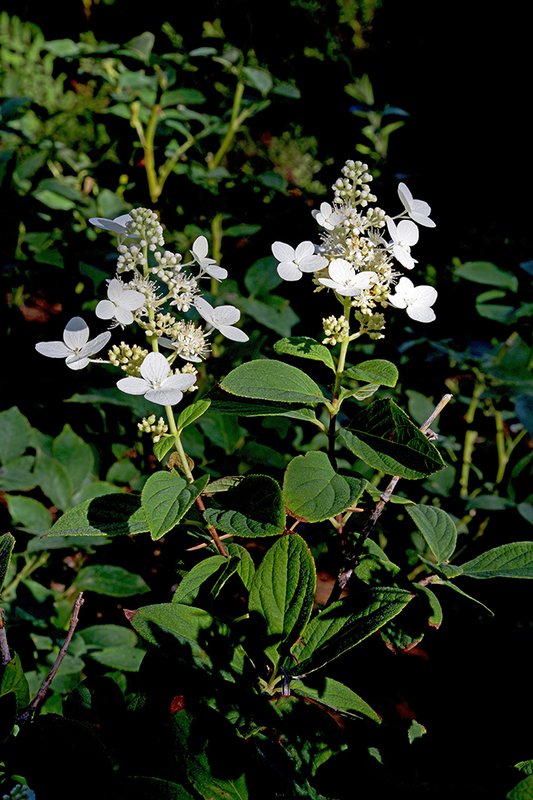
x=437, y=528
x=305, y=347
x=192, y=413
x=189, y=587
x=109, y=580
x=7, y=543
x=15, y=434
x=336, y=695
x=488, y=273
x=512, y=560
x=254, y=507
x=313, y=491
x=157, y=622
x=282, y=593
x=376, y=370
x=245, y=567
x=344, y=625
x=165, y=499
x=108, y=515
x=383, y=436
x=268, y=379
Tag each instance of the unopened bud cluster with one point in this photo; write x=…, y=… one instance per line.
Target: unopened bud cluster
x=336, y=330
x=157, y=428
x=128, y=357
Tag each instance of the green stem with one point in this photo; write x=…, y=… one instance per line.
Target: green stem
x=347, y=305
x=216, y=238
x=235, y=123
x=468, y=449
x=29, y=567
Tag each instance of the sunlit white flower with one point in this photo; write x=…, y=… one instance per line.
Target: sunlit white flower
x=157, y=384
x=199, y=252
x=293, y=263
x=118, y=225
x=418, y=210
x=345, y=280
x=75, y=348
x=417, y=300
x=121, y=303
x=222, y=318
x=404, y=236
x=328, y=217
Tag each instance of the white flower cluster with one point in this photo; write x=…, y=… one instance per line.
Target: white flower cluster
x=355, y=257
x=159, y=284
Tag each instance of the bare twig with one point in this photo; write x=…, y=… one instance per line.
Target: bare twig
x=27, y=713
x=5, y=655
x=352, y=559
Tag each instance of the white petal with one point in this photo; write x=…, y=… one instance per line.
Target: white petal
x=403, y=257
x=117, y=225
x=422, y=219
x=75, y=362
x=282, y=251
x=423, y=296
x=180, y=381
x=313, y=263
x=304, y=250
x=96, y=344
x=363, y=279
x=131, y=300
x=216, y=272
x=115, y=290
x=226, y=315
x=200, y=247
x=235, y=334
x=289, y=271
x=53, y=349
x=165, y=397
x=408, y=232
x=76, y=333
x=133, y=385
x=204, y=309
x=405, y=196
x=340, y=270
x=123, y=316
x=105, y=309
x=391, y=227
x=398, y=300
x=421, y=207
x=405, y=287
x=155, y=368
x=421, y=313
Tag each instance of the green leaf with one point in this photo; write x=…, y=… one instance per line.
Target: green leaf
x=522, y=790
x=272, y=311
x=245, y=567
x=313, y=491
x=74, y=455
x=268, y=379
x=17, y=475
x=15, y=434
x=120, y=657
x=253, y=508
x=166, y=498
x=282, y=593
x=163, y=446
x=109, y=515
x=262, y=278
x=140, y=788
x=436, y=614
x=376, y=370
x=305, y=347
x=54, y=480
x=185, y=623
x=383, y=436
x=512, y=560
x=107, y=635
x=344, y=625
x=223, y=431
x=336, y=695
x=110, y=580
x=192, y=413
x=437, y=528
x=27, y=513
x=259, y=79
x=190, y=585
x=456, y=589
x=488, y=273
x=7, y=543
x=13, y=679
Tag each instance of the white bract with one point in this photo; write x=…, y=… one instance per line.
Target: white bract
x=418, y=210
x=345, y=280
x=328, y=217
x=293, y=263
x=121, y=303
x=75, y=348
x=404, y=236
x=157, y=384
x=417, y=300
x=118, y=225
x=222, y=318
x=199, y=252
